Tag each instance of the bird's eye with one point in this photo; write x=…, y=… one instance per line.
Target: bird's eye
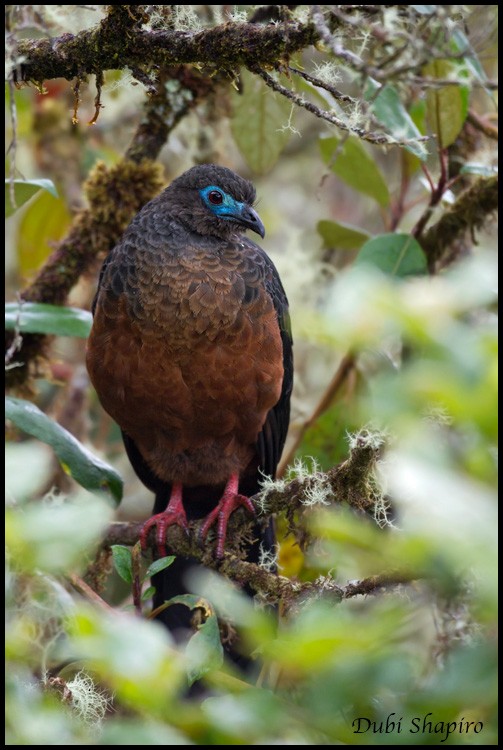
x=215, y=197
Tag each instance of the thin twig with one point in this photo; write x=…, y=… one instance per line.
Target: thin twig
x=345, y=367
x=83, y=588
x=345, y=55
x=378, y=139
x=327, y=86
x=485, y=127
x=13, y=145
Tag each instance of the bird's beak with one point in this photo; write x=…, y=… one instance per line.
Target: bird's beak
x=251, y=220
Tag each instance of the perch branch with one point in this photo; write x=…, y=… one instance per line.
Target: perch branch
x=348, y=484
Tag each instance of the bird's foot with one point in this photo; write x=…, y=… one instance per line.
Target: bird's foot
x=229, y=502
x=174, y=515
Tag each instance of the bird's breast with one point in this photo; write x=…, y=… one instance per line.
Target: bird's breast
x=190, y=351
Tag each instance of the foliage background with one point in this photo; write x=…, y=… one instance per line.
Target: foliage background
x=422, y=390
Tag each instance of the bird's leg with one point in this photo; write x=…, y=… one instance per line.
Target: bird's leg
x=174, y=514
x=230, y=500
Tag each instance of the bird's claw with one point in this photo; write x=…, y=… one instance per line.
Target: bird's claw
x=227, y=505
x=162, y=521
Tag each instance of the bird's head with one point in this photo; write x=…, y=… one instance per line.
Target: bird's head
x=213, y=200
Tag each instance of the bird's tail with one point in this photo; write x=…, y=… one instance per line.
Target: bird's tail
x=172, y=581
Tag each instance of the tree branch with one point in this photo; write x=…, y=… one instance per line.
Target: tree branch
x=468, y=213
x=119, y=42
x=347, y=483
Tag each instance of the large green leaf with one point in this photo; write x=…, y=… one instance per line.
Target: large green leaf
x=389, y=110
x=37, y=317
x=447, y=106
x=352, y=163
x=87, y=469
x=44, y=222
x=341, y=236
x=23, y=191
x=395, y=254
x=259, y=123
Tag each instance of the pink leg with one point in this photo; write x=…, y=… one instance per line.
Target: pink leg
x=228, y=503
x=174, y=514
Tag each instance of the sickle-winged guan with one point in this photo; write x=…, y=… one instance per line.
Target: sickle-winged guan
x=191, y=354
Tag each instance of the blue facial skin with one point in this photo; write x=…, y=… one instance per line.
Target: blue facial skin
x=232, y=210
x=228, y=209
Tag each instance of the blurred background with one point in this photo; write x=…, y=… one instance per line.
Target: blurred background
x=423, y=384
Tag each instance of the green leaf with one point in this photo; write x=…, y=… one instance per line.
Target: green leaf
x=148, y=593
x=353, y=164
x=447, y=106
x=391, y=113
x=24, y=190
x=259, y=123
x=37, y=317
x=44, y=222
x=121, y=556
x=56, y=538
x=341, y=236
x=204, y=651
x=122, y=562
x=88, y=470
x=480, y=169
x=417, y=113
x=395, y=254
x=158, y=565
x=460, y=43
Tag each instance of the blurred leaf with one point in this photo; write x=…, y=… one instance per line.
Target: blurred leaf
x=424, y=10
x=355, y=166
x=56, y=537
x=87, y=469
x=19, y=483
x=417, y=113
x=291, y=557
x=24, y=190
x=140, y=731
x=121, y=556
x=447, y=106
x=37, y=317
x=204, y=651
x=479, y=169
x=259, y=123
x=341, y=236
x=327, y=440
x=395, y=254
x=133, y=655
x=158, y=565
x=148, y=593
x=461, y=44
x=390, y=112
x=43, y=224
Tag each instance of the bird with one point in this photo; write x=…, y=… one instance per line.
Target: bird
x=190, y=352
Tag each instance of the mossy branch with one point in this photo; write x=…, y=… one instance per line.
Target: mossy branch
x=467, y=214
x=119, y=42
x=347, y=483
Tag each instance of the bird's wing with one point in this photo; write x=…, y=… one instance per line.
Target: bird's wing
x=273, y=435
